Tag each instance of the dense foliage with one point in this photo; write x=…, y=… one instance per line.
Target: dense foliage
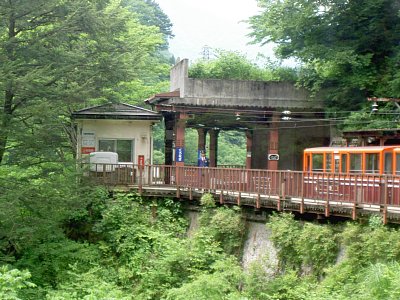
x=348, y=49
x=126, y=248
x=351, y=46
x=349, y=261
x=57, y=56
x=80, y=242
x=63, y=238
x=234, y=65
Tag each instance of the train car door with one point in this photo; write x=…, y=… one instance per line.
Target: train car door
x=396, y=162
x=336, y=162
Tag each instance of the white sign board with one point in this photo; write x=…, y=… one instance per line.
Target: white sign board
x=273, y=156
x=88, y=139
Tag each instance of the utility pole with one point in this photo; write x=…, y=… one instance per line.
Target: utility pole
x=206, y=52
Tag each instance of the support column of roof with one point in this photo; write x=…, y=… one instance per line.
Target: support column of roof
x=201, y=142
x=273, y=145
x=180, y=126
x=169, y=121
x=214, y=147
x=249, y=145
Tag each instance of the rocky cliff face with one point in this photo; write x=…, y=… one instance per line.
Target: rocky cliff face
x=258, y=248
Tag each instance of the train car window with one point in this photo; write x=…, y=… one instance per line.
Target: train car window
x=371, y=163
x=388, y=163
x=397, y=163
x=317, y=162
x=355, y=163
x=343, y=168
x=328, y=162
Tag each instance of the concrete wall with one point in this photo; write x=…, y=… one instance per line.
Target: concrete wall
x=240, y=93
x=178, y=76
x=292, y=142
x=259, y=150
x=212, y=92
x=140, y=131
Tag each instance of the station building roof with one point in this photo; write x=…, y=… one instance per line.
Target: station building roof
x=116, y=111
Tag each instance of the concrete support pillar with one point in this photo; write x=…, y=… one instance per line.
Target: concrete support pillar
x=273, y=145
x=213, y=147
x=169, y=122
x=201, y=142
x=180, y=126
x=249, y=145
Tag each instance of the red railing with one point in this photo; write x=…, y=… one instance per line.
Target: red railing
x=358, y=189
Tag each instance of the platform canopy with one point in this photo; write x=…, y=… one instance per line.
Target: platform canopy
x=266, y=112
x=232, y=104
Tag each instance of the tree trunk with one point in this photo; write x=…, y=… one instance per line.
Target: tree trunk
x=8, y=93
x=5, y=122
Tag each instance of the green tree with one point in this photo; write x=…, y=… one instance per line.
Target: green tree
x=222, y=283
x=12, y=281
x=55, y=54
x=150, y=14
x=348, y=48
x=93, y=284
x=234, y=65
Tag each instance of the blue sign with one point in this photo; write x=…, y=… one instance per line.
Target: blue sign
x=180, y=154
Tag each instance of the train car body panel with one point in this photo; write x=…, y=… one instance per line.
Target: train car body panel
x=362, y=175
x=351, y=160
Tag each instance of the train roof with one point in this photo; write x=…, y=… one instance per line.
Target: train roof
x=351, y=149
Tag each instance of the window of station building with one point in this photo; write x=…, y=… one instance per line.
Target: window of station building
x=355, y=163
x=124, y=148
x=388, y=166
x=371, y=163
x=317, y=162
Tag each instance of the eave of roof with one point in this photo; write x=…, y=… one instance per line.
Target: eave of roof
x=120, y=111
x=157, y=98
x=115, y=117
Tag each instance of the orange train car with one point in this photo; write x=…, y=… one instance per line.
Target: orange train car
x=396, y=161
x=367, y=175
x=378, y=160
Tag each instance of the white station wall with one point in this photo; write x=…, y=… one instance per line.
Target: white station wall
x=140, y=131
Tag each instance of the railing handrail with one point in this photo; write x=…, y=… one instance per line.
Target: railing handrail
x=348, y=188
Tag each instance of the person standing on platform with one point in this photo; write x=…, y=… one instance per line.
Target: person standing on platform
x=203, y=160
